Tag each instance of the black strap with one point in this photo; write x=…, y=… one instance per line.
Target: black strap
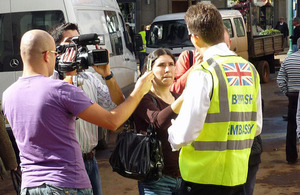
x=191, y=58
x=129, y=124
x=154, y=100
x=150, y=128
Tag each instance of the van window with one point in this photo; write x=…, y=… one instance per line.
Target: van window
x=114, y=32
x=6, y=43
x=228, y=24
x=12, y=28
x=239, y=27
x=96, y=22
x=127, y=38
x=169, y=34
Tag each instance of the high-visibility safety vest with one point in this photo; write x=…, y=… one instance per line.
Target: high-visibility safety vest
x=143, y=34
x=220, y=154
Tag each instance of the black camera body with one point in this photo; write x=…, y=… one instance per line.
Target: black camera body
x=76, y=55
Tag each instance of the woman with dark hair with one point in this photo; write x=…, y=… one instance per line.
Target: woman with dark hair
x=158, y=107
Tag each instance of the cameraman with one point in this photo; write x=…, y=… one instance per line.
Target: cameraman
x=107, y=96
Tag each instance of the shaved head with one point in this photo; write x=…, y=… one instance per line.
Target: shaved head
x=34, y=42
x=34, y=45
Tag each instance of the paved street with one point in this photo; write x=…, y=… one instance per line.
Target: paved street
x=274, y=177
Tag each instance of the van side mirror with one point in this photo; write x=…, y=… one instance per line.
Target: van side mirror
x=138, y=42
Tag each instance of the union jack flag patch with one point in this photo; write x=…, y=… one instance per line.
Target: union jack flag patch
x=238, y=74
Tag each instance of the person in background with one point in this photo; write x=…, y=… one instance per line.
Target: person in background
x=296, y=33
x=186, y=60
x=130, y=31
x=289, y=83
x=7, y=153
x=130, y=35
x=142, y=53
x=42, y=113
x=158, y=107
x=147, y=29
x=298, y=123
x=253, y=166
x=214, y=156
x=284, y=29
x=107, y=96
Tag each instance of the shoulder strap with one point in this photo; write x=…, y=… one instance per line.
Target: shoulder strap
x=154, y=100
x=191, y=58
x=150, y=129
x=129, y=124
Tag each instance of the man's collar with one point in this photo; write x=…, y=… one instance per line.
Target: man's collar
x=218, y=49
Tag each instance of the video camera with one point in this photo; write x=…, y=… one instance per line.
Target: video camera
x=76, y=54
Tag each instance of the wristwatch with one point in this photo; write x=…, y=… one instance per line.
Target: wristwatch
x=109, y=76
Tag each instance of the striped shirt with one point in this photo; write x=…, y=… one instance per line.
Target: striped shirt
x=87, y=133
x=288, y=78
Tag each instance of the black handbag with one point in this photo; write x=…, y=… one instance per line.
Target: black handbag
x=137, y=156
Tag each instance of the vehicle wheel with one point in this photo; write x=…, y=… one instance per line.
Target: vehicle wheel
x=263, y=71
x=277, y=65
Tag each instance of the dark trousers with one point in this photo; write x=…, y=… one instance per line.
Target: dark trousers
x=196, y=189
x=291, y=137
x=251, y=180
x=142, y=56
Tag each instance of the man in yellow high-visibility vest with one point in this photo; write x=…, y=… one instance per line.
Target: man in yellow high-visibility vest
x=142, y=53
x=221, y=112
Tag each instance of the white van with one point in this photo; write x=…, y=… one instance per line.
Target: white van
x=170, y=31
x=93, y=16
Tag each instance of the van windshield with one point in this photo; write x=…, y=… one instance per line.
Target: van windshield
x=169, y=34
x=14, y=25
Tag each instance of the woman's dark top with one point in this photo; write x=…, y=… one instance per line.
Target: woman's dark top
x=159, y=116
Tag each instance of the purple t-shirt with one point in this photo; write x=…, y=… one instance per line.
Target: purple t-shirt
x=41, y=112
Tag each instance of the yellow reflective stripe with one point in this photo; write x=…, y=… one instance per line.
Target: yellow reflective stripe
x=225, y=115
x=254, y=74
x=223, y=145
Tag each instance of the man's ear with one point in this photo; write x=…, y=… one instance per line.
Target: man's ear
x=46, y=56
x=198, y=41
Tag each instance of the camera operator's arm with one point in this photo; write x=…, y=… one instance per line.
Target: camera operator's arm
x=114, y=90
x=115, y=118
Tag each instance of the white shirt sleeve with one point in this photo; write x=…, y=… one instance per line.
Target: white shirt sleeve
x=103, y=95
x=189, y=123
x=97, y=91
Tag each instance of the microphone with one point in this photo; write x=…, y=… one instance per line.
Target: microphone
x=86, y=39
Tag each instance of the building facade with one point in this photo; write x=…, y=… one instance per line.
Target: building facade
x=142, y=12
